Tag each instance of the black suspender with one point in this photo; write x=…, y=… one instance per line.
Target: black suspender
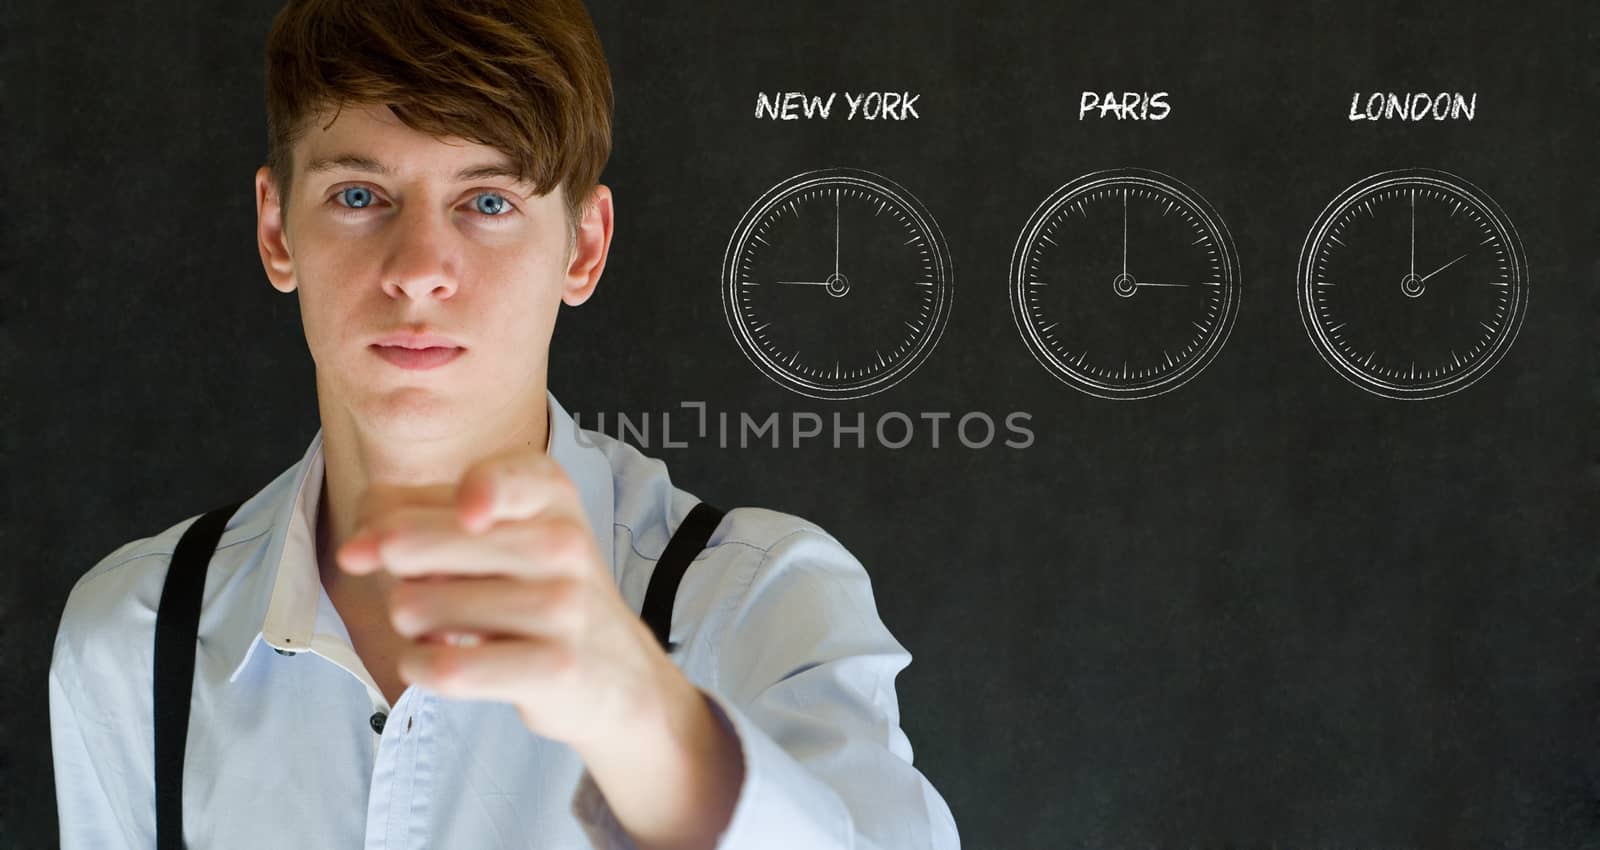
x=687, y=540
x=178, y=624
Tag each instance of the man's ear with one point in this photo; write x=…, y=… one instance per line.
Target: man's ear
x=589, y=254
x=271, y=238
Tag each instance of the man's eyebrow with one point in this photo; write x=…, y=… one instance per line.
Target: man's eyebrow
x=350, y=162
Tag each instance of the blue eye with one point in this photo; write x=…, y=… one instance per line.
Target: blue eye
x=359, y=189
x=359, y=197
x=494, y=208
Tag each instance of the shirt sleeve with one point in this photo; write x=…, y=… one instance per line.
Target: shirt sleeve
x=85, y=812
x=805, y=675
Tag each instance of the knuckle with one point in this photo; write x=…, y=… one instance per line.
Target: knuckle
x=562, y=601
x=578, y=617
x=559, y=603
x=563, y=484
x=567, y=538
x=391, y=540
x=406, y=606
x=561, y=660
x=448, y=668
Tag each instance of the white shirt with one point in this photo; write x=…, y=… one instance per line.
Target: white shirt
x=776, y=622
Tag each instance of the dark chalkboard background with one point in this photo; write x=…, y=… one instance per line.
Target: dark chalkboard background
x=1267, y=609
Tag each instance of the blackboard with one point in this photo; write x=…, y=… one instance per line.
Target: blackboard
x=1267, y=606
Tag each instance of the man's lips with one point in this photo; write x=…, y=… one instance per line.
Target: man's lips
x=416, y=341
x=418, y=358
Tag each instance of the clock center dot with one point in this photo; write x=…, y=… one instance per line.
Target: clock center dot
x=1124, y=285
x=838, y=285
x=1411, y=285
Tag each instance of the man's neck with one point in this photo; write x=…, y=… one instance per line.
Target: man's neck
x=347, y=475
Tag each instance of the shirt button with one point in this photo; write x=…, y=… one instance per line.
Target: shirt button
x=377, y=720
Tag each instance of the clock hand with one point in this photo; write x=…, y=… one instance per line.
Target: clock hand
x=1443, y=267
x=804, y=282
x=1413, y=232
x=1136, y=283
x=1124, y=231
x=836, y=231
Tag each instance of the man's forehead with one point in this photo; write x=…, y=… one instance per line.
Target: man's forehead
x=351, y=160
x=374, y=141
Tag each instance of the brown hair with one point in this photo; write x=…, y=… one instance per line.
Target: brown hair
x=527, y=78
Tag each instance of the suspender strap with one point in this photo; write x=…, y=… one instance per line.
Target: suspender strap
x=177, y=624
x=687, y=542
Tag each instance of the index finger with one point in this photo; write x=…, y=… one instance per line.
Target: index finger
x=514, y=485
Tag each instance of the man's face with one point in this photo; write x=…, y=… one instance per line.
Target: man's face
x=481, y=260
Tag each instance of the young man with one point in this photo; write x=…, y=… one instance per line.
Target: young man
x=428, y=632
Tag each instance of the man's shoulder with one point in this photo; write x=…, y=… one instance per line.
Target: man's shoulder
x=105, y=610
x=768, y=529
x=112, y=605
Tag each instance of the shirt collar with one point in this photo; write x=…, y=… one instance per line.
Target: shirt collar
x=287, y=589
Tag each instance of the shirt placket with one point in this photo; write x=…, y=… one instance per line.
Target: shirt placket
x=399, y=807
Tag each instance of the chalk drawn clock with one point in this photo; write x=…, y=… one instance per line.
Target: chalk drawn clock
x=837, y=283
x=1124, y=283
x=1412, y=284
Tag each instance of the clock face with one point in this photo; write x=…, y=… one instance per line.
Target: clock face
x=836, y=283
x=1412, y=284
x=1124, y=283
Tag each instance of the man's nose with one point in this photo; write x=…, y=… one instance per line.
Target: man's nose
x=423, y=254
